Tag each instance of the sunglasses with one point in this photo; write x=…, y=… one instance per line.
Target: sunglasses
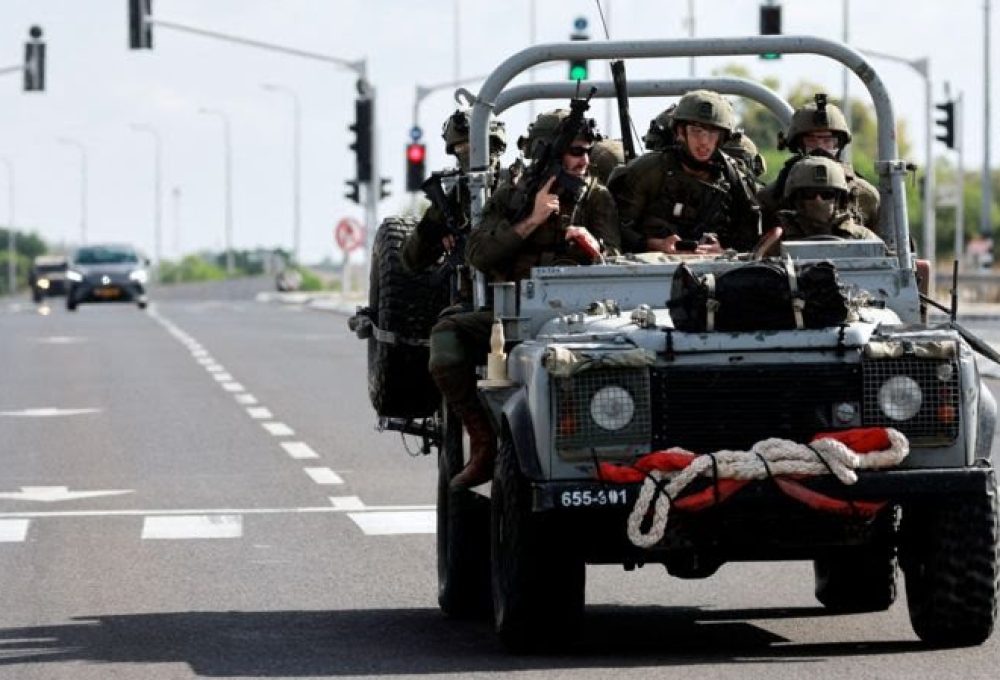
x=825, y=194
x=578, y=151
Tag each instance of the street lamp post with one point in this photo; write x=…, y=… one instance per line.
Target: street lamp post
x=228, y=167
x=83, y=184
x=11, y=248
x=296, y=166
x=157, y=181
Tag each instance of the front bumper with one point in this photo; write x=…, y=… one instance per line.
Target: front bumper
x=113, y=291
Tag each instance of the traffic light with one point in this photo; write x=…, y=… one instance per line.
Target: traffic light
x=947, y=124
x=140, y=32
x=34, y=61
x=416, y=154
x=362, y=145
x=353, y=194
x=578, y=67
x=770, y=24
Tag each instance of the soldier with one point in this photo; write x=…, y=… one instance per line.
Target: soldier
x=660, y=135
x=818, y=194
x=430, y=239
x=742, y=149
x=819, y=128
x=689, y=197
x=520, y=231
x=607, y=155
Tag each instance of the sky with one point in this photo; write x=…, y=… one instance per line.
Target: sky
x=98, y=89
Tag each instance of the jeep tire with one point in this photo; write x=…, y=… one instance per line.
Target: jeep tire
x=951, y=568
x=406, y=304
x=537, y=578
x=463, y=534
x=857, y=580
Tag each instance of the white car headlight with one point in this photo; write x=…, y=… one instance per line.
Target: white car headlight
x=612, y=407
x=900, y=397
x=74, y=275
x=139, y=275
x=43, y=284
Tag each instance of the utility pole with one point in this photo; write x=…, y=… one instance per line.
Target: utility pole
x=83, y=184
x=296, y=166
x=11, y=244
x=157, y=182
x=985, y=226
x=960, y=179
x=227, y=151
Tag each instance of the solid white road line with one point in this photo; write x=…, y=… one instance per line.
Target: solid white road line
x=259, y=412
x=323, y=475
x=193, y=526
x=204, y=511
x=278, y=429
x=299, y=450
x=13, y=530
x=395, y=523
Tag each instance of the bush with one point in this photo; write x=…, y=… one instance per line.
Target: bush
x=191, y=268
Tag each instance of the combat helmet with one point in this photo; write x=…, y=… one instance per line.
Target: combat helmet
x=456, y=130
x=707, y=108
x=606, y=155
x=545, y=128
x=743, y=149
x=815, y=116
x=816, y=172
x=661, y=130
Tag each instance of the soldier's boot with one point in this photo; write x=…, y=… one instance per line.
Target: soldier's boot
x=482, y=448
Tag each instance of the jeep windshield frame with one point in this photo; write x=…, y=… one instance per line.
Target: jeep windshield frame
x=891, y=170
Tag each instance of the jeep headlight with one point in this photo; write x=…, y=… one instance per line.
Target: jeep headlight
x=43, y=284
x=74, y=275
x=612, y=407
x=900, y=398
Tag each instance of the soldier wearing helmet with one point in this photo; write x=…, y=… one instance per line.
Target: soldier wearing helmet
x=606, y=155
x=660, y=135
x=817, y=193
x=569, y=220
x=742, y=149
x=688, y=196
x=430, y=239
x=820, y=129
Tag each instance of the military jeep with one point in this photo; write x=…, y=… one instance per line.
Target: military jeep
x=599, y=372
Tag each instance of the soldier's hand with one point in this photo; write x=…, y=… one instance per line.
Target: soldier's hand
x=448, y=243
x=546, y=203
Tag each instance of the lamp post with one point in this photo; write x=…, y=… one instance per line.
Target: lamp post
x=68, y=141
x=11, y=249
x=228, y=168
x=296, y=165
x=157, y=177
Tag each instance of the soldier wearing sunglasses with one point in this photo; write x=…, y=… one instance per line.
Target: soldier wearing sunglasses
x=817, y=193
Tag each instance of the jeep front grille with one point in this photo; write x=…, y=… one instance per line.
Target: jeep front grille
x=935, y=384
x=708, y=408
x=576, y=431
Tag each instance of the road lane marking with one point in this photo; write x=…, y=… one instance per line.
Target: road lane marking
x=193, y=526
x=347, y=503
x=44, y=514
x=233, y=387
x=260, y=412
x=49, y=412
x=214, y=368
x=245, y=398
x=323, y=475
x=13, y=530
x=54, y=494
x=278, y=429
x=396, y=522
x=61, y=340
x=223, y=377
x=299, y=450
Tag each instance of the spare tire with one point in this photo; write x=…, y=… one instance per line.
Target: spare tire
x=404, y=306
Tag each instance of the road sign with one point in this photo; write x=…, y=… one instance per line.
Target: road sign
x=350, y=234
x=416, y=133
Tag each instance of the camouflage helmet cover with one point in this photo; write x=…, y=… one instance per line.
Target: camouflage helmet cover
x=816, y=172
x=456, y=130
x=705, y=107
x=741, y=147
x=813, y=117
x=545, y=128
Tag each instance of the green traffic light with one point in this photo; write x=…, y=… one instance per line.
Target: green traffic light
x=770, y=55
x=578, y=72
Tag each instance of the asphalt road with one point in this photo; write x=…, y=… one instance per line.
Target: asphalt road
x=246, y=521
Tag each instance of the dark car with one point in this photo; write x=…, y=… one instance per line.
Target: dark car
x=106, y=273
x=47, y=276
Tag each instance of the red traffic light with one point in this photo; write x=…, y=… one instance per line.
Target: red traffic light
x=415, y=153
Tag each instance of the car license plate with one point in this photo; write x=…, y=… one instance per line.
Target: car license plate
x=588, y=498
x=108, y=292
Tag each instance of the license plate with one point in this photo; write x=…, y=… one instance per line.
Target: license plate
x=591, y=498
x=108, y=292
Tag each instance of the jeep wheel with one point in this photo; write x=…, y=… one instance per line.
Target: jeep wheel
x=951, y=568
x=857, y=580
x=463, y=535
x=538, y=580
x=406, y=304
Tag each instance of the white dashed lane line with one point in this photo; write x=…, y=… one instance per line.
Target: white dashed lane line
x=259, y=412
x=395, y=523
x=299, y=450
x=233, y=387
x=278, y=429
x=13, y=530
x=323, y=475
x=245, y=398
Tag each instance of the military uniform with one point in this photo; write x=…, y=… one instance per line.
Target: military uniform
x=842, y=226
x=656, y=197
x=863, y=197
x=423, y=247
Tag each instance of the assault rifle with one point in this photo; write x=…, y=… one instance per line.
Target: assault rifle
x=454, y=260
x=547, y=160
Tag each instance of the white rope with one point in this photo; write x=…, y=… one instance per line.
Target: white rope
x=779, y=456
